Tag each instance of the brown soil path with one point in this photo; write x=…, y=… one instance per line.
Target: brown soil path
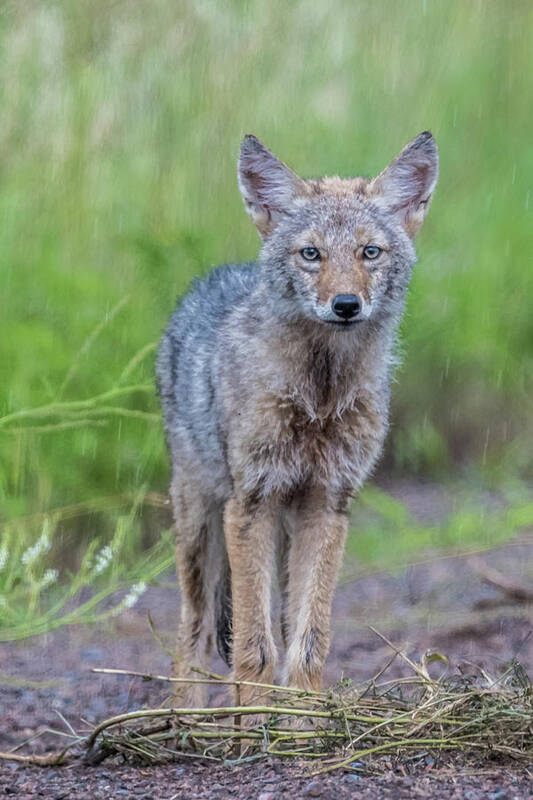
x=442, y=605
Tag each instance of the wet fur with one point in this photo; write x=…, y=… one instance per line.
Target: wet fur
x=274, y=416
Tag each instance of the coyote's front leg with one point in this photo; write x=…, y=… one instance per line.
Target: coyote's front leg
x=250, y=540
x=315, y=557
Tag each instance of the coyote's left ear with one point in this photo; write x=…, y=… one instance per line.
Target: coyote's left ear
x=268, y=186
x=407, y=184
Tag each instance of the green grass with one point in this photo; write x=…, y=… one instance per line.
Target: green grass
x=119, y=133
x=385, y=536
x=50, y=578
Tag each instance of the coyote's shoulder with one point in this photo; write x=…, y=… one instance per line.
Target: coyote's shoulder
x=274, y=379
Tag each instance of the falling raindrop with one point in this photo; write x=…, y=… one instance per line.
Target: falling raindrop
x=486, y=445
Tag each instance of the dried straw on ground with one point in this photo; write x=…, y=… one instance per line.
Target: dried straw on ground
x=476, y=714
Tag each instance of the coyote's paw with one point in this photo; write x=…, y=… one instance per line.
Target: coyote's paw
x=189, y=696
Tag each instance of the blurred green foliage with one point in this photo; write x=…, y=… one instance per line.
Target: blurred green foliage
x=107, y=579
x=50, y=576
x=119, y=132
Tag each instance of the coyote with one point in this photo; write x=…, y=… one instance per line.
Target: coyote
x=274, y=380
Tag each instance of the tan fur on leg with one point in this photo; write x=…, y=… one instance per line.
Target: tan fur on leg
x=316, y=553
x=250, y=540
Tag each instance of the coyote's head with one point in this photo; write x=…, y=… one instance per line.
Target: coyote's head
x=339, y=251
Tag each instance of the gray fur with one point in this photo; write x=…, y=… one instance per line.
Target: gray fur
x=262, y=395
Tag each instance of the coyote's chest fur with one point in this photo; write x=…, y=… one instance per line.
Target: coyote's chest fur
x=317, y=432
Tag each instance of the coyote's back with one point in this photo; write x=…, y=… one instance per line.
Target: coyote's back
x=274, y=380
x=187, y=369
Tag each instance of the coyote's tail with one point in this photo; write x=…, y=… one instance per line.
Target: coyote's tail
x=223, y=612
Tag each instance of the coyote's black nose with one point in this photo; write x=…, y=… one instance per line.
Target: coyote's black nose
x=346, y=306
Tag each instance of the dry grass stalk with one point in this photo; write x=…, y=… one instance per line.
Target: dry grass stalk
x=405, y=717
x=342, y=725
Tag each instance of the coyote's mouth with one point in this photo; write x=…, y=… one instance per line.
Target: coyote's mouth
x=344, y=323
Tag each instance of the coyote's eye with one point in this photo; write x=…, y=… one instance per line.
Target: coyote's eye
x=371, y=252
x=310, y=254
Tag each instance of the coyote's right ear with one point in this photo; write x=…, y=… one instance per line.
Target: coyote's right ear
x=406, y=186
x=267, y=185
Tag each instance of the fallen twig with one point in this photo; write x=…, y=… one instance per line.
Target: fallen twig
x=494, y=577
x=475, y=714
x=54, y=759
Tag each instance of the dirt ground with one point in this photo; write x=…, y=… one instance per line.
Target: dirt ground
x=444, y=604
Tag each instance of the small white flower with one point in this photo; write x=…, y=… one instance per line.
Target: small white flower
x=50, y=576
x=4, y=553
x=41, y=546
x=103, y=558
x=131, y=598
x=133, y=595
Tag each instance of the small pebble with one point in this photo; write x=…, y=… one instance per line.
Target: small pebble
x=352, y=778
x=313, y=789
x=92, y=654
x=267, y=796
x=98, y=705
